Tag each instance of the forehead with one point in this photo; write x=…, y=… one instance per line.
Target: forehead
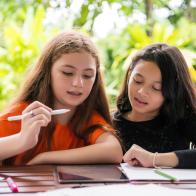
x=147, y=69
x=77, y=60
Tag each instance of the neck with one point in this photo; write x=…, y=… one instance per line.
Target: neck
x=137, y=117
x=63, y=118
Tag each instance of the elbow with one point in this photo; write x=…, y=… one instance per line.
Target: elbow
x=119, y=157
x=117, y=160
x=116, y=153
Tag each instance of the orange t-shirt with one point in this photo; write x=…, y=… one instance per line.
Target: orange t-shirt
x=63, y=138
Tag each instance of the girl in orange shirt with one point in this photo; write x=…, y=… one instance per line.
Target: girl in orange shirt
x=67, y=75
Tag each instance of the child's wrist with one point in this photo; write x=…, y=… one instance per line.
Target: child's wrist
x=24, y=144
x=165, y=160
x=154, y=160
x=20, y=143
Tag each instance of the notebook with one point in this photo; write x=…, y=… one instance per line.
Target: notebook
x=90, y=174
x=142, y=175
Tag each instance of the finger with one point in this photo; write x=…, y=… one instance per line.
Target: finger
x=31, y=119
x=131, y=162
x=39, y=122
x=135, y=147
x=35, y=105
x=128, y=156
x=42, y=110
x=136, y=162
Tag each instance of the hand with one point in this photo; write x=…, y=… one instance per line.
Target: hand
x=137, y=156
x=31, y=124
x=37, y=160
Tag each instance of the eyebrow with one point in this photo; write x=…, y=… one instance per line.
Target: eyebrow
x=73, y=67
x=140, y=75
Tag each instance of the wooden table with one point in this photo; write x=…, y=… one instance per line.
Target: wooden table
x=32, y=179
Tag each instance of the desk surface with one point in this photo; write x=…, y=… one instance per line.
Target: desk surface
x=32, y=179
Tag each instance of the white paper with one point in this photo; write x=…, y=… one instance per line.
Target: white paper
x=120, y=190
x=141, y=173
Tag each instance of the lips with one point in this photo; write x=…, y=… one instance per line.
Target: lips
x=140, y=101
x=74, y=93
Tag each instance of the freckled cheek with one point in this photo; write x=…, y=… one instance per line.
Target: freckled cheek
x=60, y=84
x=64, y=82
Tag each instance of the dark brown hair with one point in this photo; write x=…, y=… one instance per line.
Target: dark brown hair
x=38, y=85
x=177, y=87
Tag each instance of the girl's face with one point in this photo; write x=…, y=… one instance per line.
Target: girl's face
x=144, y=89
x=72, y=78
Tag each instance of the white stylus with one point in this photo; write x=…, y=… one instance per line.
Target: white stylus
x=20, y=117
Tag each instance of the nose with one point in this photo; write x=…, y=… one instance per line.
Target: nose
x=77, y=82
x=143, y=91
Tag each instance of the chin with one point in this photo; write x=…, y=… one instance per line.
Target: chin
x=73, y=105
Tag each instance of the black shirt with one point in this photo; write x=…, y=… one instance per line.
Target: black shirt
x=187, y=158
x=155, y=135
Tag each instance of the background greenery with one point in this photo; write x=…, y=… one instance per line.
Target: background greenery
x=26, y=25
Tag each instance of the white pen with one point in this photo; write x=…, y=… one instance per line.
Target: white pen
x=20, y=117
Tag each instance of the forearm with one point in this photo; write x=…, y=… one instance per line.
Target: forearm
x=10, y=146
x=166, y=159
x=96, y=153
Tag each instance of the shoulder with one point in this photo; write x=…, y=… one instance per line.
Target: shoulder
x=97, y=118
x=190, y=119
x=96, y=126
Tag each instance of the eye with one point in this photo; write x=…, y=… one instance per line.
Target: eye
x=137, y=81
x=68, y=73
x=156, y=88
x=87, y=76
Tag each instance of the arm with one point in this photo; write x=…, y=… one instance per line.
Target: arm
x=11, y=146
x=138, y=156
x=28, y=136
x=187, y=158
x=107, y=149
x=188, y=127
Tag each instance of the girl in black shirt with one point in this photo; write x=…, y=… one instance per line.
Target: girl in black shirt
x=157, y=105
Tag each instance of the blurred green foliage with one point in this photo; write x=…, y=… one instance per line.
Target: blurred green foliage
x=24, y=31
x=20, y=45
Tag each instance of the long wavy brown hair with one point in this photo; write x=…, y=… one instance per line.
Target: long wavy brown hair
x=38, y=86
x=177, y=87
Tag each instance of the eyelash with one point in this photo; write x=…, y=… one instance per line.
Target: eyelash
x=140, y=82
x=71, y=74
x=137, y=82
x=68, y=73
x=156, y=89
x=87, y=77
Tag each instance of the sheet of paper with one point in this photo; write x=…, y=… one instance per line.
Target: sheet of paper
x=118, y=190
x=141, y=173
